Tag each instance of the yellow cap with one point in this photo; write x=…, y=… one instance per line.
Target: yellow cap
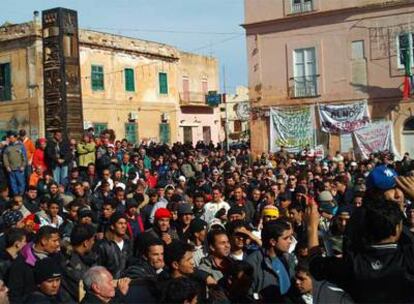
x=273, y=211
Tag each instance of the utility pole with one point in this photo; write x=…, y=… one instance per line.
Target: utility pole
x=226, y=126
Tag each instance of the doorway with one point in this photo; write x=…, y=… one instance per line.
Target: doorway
x=188, y=134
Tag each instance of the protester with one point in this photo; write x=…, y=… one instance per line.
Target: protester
x=15, y=162
x=21, y=280
x=99, y=286
x=189, y=223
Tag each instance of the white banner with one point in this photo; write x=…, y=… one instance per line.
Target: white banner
x=344, y=118
x=291, y=127
x=376, y=137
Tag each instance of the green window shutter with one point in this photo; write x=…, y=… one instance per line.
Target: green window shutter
x=129, y=80
x=164, y=133
x=131, y=132
x=163, y=79
x=97, y=77
x=99, y=128
x=5, y=82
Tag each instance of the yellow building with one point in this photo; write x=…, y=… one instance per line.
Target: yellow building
x=129, y=85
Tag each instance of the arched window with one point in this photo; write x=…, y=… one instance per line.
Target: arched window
x=409, y=125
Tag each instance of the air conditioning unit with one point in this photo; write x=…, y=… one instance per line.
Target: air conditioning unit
x=165, y=116
x=133, y=115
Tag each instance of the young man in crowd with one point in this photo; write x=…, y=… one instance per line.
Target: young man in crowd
x=162, y=227
x=21, y=276
x=115, y=250
x=273, y=265
x=82, y=239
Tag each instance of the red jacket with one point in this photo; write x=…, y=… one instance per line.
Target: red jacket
x=39, y=159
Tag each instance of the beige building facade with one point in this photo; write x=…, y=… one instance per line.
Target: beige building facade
x=236, y=112
x=309, y=52
x=129, y=85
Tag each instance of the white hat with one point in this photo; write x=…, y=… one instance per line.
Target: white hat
x=354, y=164
x=182, y=179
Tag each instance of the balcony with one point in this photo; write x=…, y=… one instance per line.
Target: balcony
x=301, y=6
x=192, y=99
x=304, y=87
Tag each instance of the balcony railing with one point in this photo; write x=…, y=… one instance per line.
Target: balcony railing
x=306, y=86
x=302, y=7
x=192, y=98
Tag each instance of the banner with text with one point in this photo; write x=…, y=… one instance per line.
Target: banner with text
x=344, y=118
x=376, y=137
x=291, y=127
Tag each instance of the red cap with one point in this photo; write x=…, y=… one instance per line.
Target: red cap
x=42, y=140
x=162, y=213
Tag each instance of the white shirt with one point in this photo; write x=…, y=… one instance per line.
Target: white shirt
x=211, y=208
x=120, y=244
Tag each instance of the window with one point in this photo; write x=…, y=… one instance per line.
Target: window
x=99, y=128
x=186, y=89
x=131, y=132
x=97, y=77
x=301, y=6
x=163, y=81
x=305, y=84
x=129, y=80
x=358, y=50
x=204, y=85
x=237, y=126
x=5, y=82
x=164, y=133
x=405, y=47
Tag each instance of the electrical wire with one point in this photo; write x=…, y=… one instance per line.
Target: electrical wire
x=162, y=31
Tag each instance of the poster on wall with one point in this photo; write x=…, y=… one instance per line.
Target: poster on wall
x=376, y=137
x=291, y=127
x=345, y=118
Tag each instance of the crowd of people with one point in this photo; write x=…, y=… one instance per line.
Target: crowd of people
x=108, y=221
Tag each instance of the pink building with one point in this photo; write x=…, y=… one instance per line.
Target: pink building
x=329, y=51
x=197, y=121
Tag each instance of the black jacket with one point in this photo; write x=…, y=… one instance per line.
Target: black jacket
x=74, y=268
x=140, y=269
x=38, y=297
x=111, y=257
x=380, y=274
x=21, y=281
x=55, y=150
x=90, y=298
x=6, y=261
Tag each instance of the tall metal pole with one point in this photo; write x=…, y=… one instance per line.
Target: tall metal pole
x=225, y=108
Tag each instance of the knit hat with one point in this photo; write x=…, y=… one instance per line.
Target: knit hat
x=270, y=211
x=12, y=217
x=325, y=196
x=185, y=209
x=382, y=177
x=116, y=217
x=162, y=213
x=131, y=202
x=85, y=212
x=197, y=225
x=11, y=133
x=45, y=269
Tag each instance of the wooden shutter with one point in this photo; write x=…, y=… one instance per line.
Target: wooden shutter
x=163, y=80
x=129, y=80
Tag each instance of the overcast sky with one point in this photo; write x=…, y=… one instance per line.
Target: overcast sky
x=208, y=27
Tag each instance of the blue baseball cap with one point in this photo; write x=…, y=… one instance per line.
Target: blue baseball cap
x=382, y=177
